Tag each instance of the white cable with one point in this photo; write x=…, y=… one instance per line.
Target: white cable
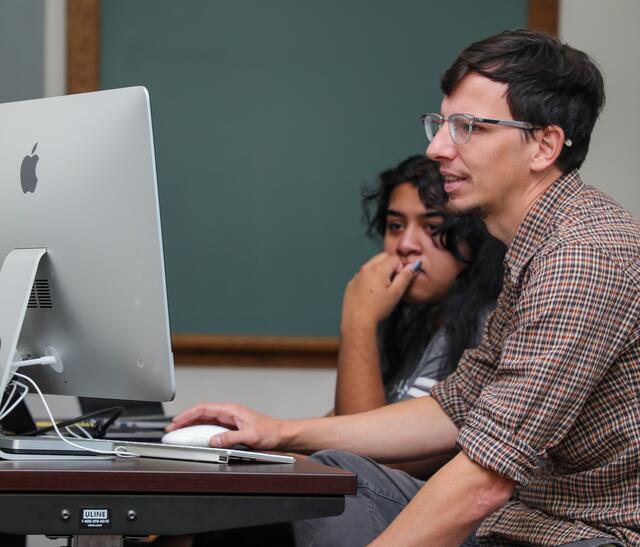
x=72, y=433
x=25, y=391
x=120, y=451
x=47, y=360
x=18, y=400
x=84, y=432
x=8, y=407
x=8, y=399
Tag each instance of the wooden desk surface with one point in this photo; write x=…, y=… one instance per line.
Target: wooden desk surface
x=155, y=476
x=141, y=496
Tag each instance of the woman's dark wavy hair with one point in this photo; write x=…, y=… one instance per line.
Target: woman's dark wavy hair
x=409, y=328
x=548, y=83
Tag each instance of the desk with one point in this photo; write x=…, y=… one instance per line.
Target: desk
x=144, y=496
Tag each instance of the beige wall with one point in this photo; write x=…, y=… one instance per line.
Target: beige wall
x=607, y=30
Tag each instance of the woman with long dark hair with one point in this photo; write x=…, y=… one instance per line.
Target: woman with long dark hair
x=449, y=273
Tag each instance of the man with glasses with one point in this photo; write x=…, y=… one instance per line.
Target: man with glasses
x=546, y=410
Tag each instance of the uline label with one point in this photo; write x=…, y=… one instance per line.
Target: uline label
x=95, y=518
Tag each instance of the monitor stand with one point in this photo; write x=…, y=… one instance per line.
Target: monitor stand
x=17, y=276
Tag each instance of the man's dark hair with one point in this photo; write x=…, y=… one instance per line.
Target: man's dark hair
x=549, y=83
x=407, y=331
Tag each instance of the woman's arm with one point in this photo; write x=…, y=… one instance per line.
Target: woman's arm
x=359, y=385
x=369, y=297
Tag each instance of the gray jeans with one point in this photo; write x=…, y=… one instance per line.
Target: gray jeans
x=382, y=494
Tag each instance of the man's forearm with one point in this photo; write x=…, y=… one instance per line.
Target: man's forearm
x=424, y=467
x=399, y=432
x=359, y=385
x=449, y=507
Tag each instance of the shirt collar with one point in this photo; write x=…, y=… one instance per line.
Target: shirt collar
x=531, y=234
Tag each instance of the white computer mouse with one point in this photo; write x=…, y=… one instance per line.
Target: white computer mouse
x=193, y=435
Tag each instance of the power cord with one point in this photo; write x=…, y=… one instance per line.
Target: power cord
x=98, y=429
x=119, y=451
x=7, y=407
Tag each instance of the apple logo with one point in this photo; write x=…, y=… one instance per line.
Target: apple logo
x=28, y=177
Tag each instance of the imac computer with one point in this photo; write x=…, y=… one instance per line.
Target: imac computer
x=83, y=307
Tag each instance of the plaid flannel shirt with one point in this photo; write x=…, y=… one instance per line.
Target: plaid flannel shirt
x=551, y=396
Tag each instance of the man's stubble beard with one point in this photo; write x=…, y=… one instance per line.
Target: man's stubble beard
x=475, y=211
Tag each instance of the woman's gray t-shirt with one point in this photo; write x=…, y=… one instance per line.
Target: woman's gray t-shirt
x=432, y=366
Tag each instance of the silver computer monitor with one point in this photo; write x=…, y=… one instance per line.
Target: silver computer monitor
x=78, y=179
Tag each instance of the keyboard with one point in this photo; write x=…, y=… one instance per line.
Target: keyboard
x=199, y=454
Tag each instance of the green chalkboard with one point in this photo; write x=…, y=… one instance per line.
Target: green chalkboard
x=268, y=117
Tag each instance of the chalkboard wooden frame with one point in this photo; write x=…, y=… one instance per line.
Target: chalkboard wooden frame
x=83, y=42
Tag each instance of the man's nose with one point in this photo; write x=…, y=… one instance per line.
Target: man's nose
x=442, y=146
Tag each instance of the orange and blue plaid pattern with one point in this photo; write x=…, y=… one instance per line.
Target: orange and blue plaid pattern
x=551, y=396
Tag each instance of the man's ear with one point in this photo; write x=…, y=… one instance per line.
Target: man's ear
x=550, y=141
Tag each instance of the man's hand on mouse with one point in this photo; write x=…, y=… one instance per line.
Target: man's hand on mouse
x=375, y=291
x=248, y=427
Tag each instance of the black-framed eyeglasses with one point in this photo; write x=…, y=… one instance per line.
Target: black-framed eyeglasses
x=461, y=125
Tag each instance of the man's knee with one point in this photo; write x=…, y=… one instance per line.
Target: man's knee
x=339, y=458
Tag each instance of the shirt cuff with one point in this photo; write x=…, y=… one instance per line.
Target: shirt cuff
x=446, y=395
x=494, y=448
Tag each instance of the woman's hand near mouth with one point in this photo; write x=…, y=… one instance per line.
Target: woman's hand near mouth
x=375, y=290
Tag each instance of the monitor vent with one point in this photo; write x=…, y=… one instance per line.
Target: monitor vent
x=40, y=295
